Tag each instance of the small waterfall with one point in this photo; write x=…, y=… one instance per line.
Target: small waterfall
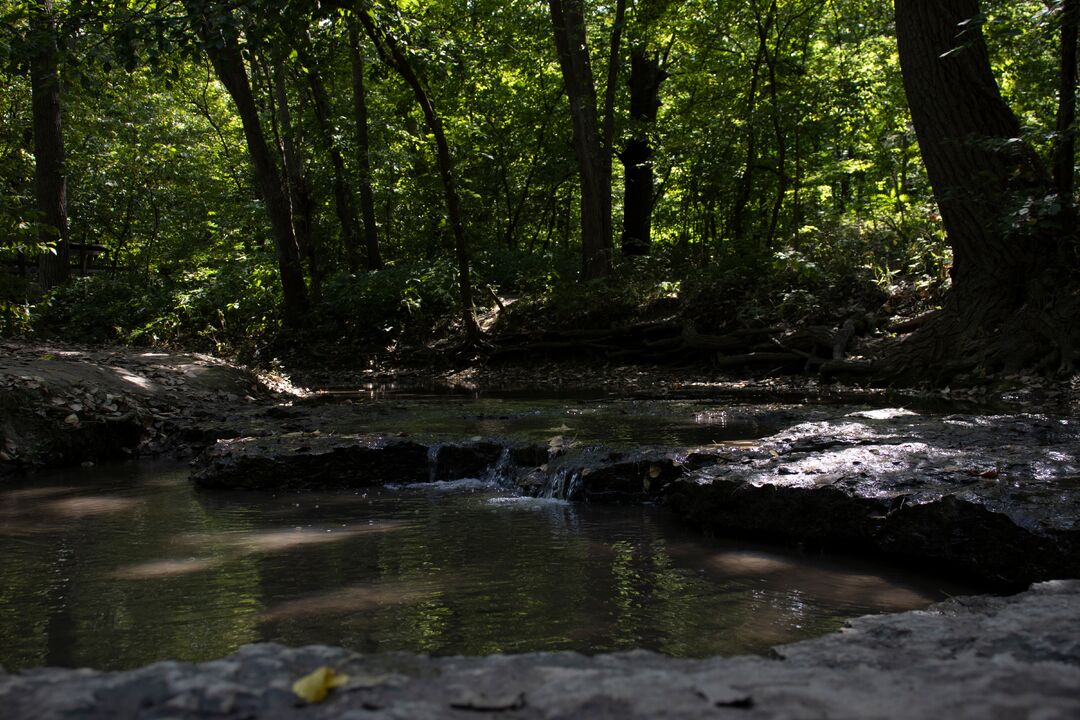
x=561, y=485
x=502, y=472
x=433, y=461
x=574, y=486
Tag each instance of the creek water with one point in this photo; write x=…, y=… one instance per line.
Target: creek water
x=115, y=567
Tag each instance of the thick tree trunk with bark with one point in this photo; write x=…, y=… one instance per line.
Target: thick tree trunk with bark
x=363, y=150
x=1007, y=302
x=396, y=58
x=570, y=43
x=50, y=181
x=646, y=76
x=223, y=48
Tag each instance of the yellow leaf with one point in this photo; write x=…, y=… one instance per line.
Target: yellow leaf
x=316, y=685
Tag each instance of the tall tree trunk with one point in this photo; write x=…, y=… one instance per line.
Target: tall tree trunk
x=299, y=192
x=363, y=149
x=343, y=193
x=396, y=58
x=739, y=219
x=1000, y=312
x=572, y=48
x=222, y=46
x=1064, y=158
x=646, y=76
x=50, y=180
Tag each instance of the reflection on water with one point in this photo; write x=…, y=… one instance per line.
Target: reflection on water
x=609, y=421
x=115, y=568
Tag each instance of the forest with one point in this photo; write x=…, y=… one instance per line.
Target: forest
x=827, y=186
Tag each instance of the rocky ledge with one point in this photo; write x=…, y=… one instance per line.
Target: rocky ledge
x=975, y=657
x=996, y=497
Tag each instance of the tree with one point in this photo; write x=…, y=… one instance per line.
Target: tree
x=591, y=142
x=215, y=27
x=1009, y=302
x=646, y=75
x=50, y=174
x=393, y=54
x=363, y=148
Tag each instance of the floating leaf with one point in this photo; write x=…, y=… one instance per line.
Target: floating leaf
x=314, y=686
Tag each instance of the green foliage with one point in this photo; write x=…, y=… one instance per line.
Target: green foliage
x=98, y=309
x=384, y=305
x=796, y=106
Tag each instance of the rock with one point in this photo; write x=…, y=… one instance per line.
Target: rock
x=312, y=460
x=917, y=488
x=966, y=658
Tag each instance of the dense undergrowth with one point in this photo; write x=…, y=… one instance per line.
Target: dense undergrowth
x=235, y=310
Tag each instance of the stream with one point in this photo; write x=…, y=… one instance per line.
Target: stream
x=113, y=567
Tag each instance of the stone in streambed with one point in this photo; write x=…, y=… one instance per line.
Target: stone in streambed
x=310, y=460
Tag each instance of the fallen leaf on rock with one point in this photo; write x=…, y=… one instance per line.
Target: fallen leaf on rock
x=314, y=686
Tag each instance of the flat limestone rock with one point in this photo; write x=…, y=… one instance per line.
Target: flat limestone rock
x=314, y=460
x=995, y=496
x=973, y=658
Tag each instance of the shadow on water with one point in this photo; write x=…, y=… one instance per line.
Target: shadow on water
x=118, y=567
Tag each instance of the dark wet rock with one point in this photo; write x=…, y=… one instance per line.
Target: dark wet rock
x=599, y=475
x=997, y=497
x=973, y=658
x=310, y=460
x=315, y=460
x=451, y=461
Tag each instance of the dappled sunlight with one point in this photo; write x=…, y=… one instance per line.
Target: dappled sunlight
x=137, y=380
x=90, y=506
x=270, y=541
x=164, y=568
x=33, y=493
x=346, y=600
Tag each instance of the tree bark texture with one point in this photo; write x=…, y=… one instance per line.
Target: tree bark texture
x=50, y=180
x=223, y=48
x=646, y=76
x=1012, y=303
x=979, y=168
x=363, y=150
x=570, y=44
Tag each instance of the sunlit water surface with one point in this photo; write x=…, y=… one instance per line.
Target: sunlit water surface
x=117, y=567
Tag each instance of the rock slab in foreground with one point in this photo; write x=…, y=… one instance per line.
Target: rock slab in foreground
x=977, y=657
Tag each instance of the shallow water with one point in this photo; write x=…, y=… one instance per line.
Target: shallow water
x=117, y=567
x=613, y=422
